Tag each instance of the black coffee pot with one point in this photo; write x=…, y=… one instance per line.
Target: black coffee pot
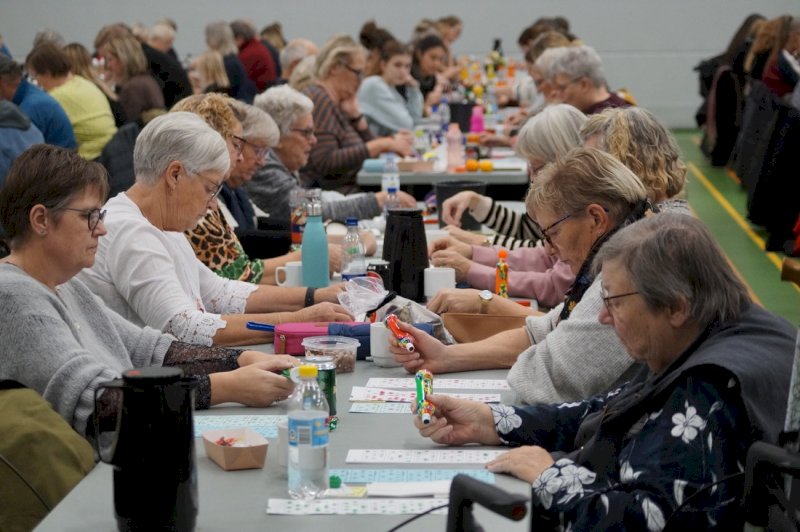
x=405, y=248
x=155, y=477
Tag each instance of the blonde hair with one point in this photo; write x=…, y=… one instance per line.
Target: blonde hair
x=129, y=52
x=80, y=61
x=582, y=177
x=219, y=37
x=214, y=109
x=303, y=73
x=337, y=51
x=211, y=68
x=635, y=137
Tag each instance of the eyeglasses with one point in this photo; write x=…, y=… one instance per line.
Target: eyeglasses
x=238, y=144
x=93, y=216
x=217, y=186
x=259, y=151
x=545, y=230
x=609, y=300
x=533, y=171
x=306, y=132
x=562, y=87
x=357, y=72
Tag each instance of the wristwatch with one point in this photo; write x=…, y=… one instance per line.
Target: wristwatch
x=486, y=297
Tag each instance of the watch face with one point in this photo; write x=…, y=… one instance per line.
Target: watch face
x=485, y=295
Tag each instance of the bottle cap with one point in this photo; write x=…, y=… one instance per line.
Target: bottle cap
x=392, y=190
x=351, y=221
x=313, y=208
x=335, y=482
x=502, y=253
x=307, y=371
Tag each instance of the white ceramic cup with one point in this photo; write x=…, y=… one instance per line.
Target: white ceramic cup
x=379, y=337
x=437, y=279
x=292, y=274
x=432, y=235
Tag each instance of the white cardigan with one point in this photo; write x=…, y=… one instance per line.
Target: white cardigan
x=152, y=277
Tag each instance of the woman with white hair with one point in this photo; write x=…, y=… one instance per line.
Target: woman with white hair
x=219, y=37
x=578, y=79
x=274, y=182
x=534, y=273
x=344, y=139
x=145, y=268
x=51, y=210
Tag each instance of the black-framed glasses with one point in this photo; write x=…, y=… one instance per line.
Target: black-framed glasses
x=93, y=216
x=546, y=230
x=306, y=132
x=608, y=300
x=260, y=151
x=359, y=73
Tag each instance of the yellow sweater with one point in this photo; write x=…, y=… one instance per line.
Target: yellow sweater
x=90, y=114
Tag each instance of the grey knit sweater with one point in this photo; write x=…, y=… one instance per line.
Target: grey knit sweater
x=64, y=344
x=272, y=184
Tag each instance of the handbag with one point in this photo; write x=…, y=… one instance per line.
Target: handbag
x=466, y=327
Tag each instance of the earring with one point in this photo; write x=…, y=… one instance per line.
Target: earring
x=42, y=232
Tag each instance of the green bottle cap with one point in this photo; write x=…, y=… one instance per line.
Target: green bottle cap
x=335, y=482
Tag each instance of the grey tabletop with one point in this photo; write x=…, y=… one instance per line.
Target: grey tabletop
x=236, y=500
x=517, y=177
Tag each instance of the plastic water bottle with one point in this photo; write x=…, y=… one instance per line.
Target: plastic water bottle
x=391, y=175
x=315, y=248
x=308, y=437
x=353, y=263
x=444, y=115
x=392, y=201
x=455, y=146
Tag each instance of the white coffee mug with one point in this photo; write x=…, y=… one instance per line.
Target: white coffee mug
x=379, y=337
x=432, y=235
x=437, y=279
x=292, y=274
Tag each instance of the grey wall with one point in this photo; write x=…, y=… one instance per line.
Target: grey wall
x=648, y=46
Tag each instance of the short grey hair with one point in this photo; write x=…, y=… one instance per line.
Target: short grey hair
x=294, y=51
x=285, y=105
x=178, y=136
x=161, y=31
x=551, y=133
x=48, y=35
x=243, y=29
x=673, y=256
x=256, y=124
x=219, y=37
x=578, y=62
x=545, y=61
x=582, y=177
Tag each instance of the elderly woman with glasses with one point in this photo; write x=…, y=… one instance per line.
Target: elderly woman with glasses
x=565, y=355
x=665, y=450
x=274, y=183
x=533, y=273
x=344, y=139
x=58, y=337
x=214, y=240
x=147, y=271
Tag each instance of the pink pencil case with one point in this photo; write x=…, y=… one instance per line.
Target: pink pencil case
x=289, y=336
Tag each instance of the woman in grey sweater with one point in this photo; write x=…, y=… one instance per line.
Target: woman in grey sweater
x=273, y=183
x=61, y=340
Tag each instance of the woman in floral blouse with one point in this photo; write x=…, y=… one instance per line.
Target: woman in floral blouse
x=669, y=446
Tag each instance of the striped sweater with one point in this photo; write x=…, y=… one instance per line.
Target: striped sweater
x=513, y=230
x=340, y=150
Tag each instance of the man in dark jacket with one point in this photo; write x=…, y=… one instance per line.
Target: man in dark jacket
x=17, y=134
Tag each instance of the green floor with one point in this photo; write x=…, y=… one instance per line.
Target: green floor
x=719, y=201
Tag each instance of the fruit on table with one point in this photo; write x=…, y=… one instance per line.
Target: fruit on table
x=486, y=165
x=472, y=165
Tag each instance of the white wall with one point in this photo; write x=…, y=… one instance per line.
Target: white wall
x=648, y=46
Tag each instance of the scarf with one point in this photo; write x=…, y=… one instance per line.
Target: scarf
x=585, y=276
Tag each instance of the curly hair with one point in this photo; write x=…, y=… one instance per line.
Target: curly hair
x=215, y=109
x=635, y=137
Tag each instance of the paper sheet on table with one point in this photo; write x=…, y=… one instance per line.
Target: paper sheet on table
x=365, y=476
x=355, y=506
x=510, y=164
x=361, y=393
x=410, y=383
x=267, y=426
x=380, y=408
x=421, y=456
x=431, y=488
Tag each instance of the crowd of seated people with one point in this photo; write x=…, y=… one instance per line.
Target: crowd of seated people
x=146, y=207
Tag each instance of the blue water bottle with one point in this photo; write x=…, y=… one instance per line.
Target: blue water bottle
x=315, y=248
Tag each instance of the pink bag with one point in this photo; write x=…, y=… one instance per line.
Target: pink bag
x=289, y=336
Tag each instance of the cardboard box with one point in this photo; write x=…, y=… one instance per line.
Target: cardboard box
x=248, y=451
x=415, y=166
